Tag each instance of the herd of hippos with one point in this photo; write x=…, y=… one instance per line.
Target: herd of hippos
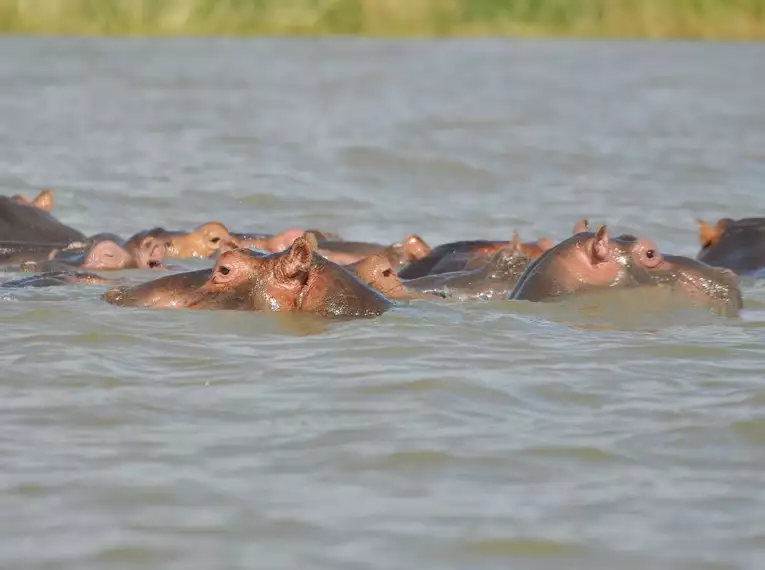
x=318, y=272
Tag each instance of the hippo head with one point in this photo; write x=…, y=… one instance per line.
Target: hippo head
x=589, y=260
x=599, y=260
x=376, y=271
x=202, y=242
x=149, y=253
x=107, y=254
x=714, y=287
x=297, y=279
x=244, y=279
x=409, y=249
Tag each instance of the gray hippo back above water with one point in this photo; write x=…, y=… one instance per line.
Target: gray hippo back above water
x=26, y=223
x=738, y=245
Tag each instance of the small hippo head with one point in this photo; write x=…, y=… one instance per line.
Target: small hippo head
x=409, y=249
x=107, y=254
x=149, y=253
x=376, y=271
x=202, y=242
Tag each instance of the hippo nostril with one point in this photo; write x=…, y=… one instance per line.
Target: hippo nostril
x=387, y=273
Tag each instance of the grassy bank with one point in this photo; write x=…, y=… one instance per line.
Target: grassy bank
x=711, y=19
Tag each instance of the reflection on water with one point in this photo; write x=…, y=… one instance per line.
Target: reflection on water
x=624, y=431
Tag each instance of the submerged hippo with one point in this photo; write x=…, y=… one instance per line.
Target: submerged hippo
x=203, y=241
x=494, y=280
x=57, y=278
x=274, y=243
x=738, y=245
x=15, y=253
x=588, y=261
x=470, y=254
x=104, y=254
x=166, y=292
x=711, y=287
x=43, y=201
x=399, y=254
x=297, y=279
x=24, y=223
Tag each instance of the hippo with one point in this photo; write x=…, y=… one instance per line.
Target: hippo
x=469, y=254
x=203, y=241
x=25, y=223
x=274, y=243
x=297, y=279
x=43, y=201
x=399, y=254
x=13, y=253
x=715, y=288
x=166, y=292
x=105, y=254
x=494, y=280
x=738, y=245
x=57, y=278
x=376, y=271
x=586, y=262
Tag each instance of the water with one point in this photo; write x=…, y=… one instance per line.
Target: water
x=443, y=436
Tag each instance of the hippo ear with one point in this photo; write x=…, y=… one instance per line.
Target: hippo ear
x=517, y=245
x=708, y=235
x=415, y=247
x=600, y=245
x=44, y=200
x=298, y=261
x=310, y=237
x=582, y=225
x=545, y=244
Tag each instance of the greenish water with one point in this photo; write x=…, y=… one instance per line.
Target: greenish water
x=448, y=436
x=709, y=19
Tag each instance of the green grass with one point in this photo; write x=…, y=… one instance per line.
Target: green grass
x=708, y=19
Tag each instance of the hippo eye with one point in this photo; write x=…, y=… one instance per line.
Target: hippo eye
x=650, y=254
x=215, y=240
x=224, y=270
x=387, y=273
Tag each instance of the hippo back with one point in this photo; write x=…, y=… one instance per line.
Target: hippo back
x=741, y=247
x=448, y=257
x=23, y=223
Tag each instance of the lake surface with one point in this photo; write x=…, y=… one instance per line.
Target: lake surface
x=439, y=436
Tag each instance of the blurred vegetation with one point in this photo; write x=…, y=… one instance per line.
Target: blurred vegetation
x=713, y=19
